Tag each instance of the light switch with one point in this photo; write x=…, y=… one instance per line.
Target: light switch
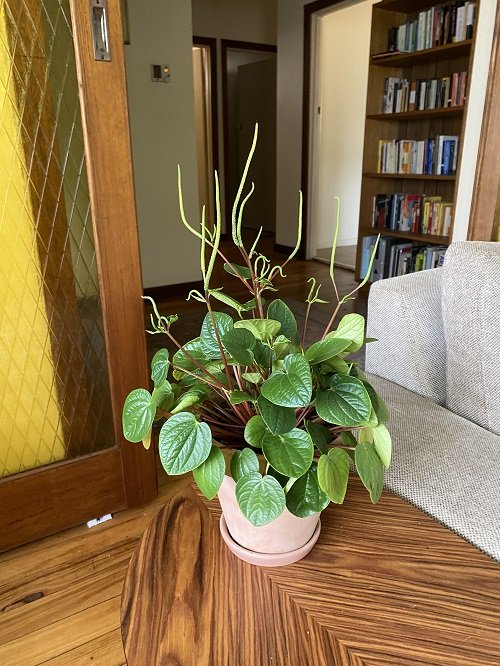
x=160, y=73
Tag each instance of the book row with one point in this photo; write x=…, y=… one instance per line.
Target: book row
x=416, y=213
x=433, y=27
x=395, y=257
x=402, y=95
x=437, y=156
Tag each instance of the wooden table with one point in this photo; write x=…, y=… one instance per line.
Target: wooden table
x=384, y=586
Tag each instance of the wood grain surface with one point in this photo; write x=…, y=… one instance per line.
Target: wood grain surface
x=385, y=585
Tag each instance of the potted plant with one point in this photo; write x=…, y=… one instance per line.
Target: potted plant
x=268, y=423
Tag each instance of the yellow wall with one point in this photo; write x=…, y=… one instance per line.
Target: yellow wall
x=30, y=422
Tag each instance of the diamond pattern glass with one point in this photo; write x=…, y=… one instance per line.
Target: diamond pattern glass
x=54, y=389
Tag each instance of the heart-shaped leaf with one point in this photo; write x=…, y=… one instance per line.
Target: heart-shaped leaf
x=345, y=403
x=209, y=343
x=323, y=350
x=351, y=327
x=263, y=355
x=279, y=420
x=191, y=397
x=239, y=342
x=242, y=463
x=333, y=474
x=370, y=469
x=320, y=435
x=383, y=444
x=186, y=358
x=280, y=311
x=305, y=497
x=184, y=443
x=260, y=498
x=237, y=397
x=210, y=474
x=138, y=414
x=159, y=367
x=255, y=430
x=163, y=396
x=262, y=329
x=234, y=269
x=292, y=386
x=378, y=404
x=290, y=454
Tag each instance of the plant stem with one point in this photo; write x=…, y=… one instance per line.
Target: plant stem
x=219, y=342
x=305, y=325
x=192, y=359
x=332, y=319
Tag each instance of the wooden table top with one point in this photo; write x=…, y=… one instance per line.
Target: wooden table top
x=385, y=585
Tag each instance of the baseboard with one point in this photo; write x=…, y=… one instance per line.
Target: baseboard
x=179, y=290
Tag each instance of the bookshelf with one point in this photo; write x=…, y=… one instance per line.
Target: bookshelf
x=396, y=126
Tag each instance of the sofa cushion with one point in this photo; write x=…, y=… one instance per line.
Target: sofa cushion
x=471, y=321
x=404, y=314
x=445, y=465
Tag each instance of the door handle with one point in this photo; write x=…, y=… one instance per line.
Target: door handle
x=100, y=31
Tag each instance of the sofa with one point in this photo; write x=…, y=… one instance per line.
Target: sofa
x=437, y=365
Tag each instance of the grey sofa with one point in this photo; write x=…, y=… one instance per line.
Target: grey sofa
x=437, y=365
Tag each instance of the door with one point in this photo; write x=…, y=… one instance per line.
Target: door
x=71, y=318
x=257, y=103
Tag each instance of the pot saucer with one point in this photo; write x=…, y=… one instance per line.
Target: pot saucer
x=267, y=559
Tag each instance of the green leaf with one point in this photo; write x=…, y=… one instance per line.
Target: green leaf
x=146, y=441
x=323, y=350
x=138, y=414
x=348, y=439
x=283, y=347
x=159, y=367
x=242, y=463
x=260, y=498
x=281, y=478
x=262, y=329
x=333, y=474
x=378, y=404
x=320, y=435
x=193, y=348
x=345, y=402
x=237, y=397
x=383, y=444
x=243, y=271
x=227, y=300
x=292, y=386
x=192, y=397
x=210, y=474
x=370, y=469
x=163, y=396
x=239, y=342
x=279, y=420
x=280, y=311
x=209, y=344
x=252, y=377
x=336, y=364
x=184, y=443
x=290, y=454
x=305, y=497
x=255, y=430
x=351, y=327
x=263, y=355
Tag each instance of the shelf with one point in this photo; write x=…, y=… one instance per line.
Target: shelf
x=429, y=239
x=445, y=112
x=406, y=6
x=445, y=52
x=408, y=176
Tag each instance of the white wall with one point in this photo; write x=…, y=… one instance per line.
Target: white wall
x=163, y=134
x=343, y=60
x=289, y=137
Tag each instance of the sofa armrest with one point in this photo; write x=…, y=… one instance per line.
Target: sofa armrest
x=404, y=314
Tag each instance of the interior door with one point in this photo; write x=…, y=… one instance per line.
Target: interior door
x=257, y=103
x=71, y=319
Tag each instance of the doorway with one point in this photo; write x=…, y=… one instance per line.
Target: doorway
x=336, y=88
x=249, y=96
x=205, y=106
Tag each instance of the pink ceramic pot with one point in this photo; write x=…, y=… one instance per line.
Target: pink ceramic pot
x=282, y=541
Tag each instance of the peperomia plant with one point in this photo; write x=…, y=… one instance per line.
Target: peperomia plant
x=249, y=398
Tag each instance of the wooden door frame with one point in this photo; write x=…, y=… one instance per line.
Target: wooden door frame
x=211, y=43
x=307, y=88
x=484, y=218
x=227, y=44
x=47, y=500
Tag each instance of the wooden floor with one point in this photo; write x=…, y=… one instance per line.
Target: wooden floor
x=60, y=596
